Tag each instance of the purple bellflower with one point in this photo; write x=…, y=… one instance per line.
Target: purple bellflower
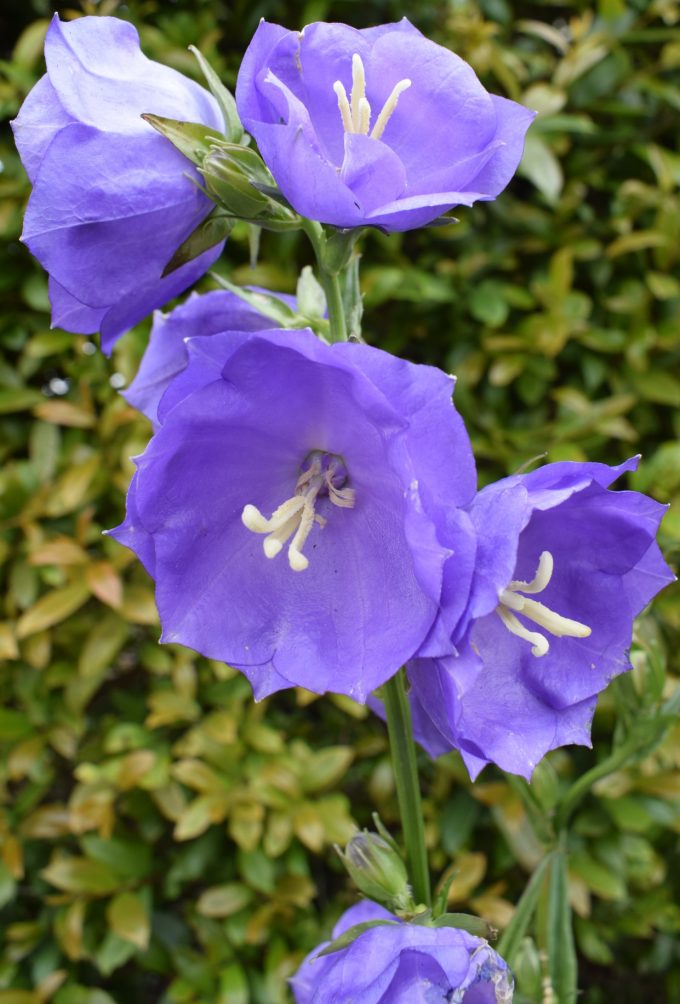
x=402, y=963
x=166, y=354
x=563, y=567
x=297, y=509
x=375, y=127
x=112, y=199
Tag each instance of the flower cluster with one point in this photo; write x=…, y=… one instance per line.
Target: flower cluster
x=309, y=510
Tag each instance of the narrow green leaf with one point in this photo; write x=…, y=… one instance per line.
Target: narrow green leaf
x=223, y=96
x=511, y=939
x=557, y=935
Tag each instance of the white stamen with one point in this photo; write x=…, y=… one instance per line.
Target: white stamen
x=549, y=620
x=296, y=516
x=539, y=644
x=388, y=108
x=343, y=105
x=355, y=111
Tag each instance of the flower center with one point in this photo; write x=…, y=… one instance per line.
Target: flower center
x=356, y=111
x=512, y=603
x=322, y=474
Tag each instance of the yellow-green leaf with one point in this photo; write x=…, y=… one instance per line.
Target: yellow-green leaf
x=128, y=917
x=52, y=608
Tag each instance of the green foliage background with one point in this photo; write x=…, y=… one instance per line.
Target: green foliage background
x=163, y=838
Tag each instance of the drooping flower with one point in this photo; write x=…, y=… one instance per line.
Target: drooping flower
x=112, y=200
x=395, y=962
x=563, y=567
x=378, y=126
x=166, y=354
x=294, y=507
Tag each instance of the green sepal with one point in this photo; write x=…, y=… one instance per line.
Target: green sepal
x=193, y=140
x=209, y=232
x=352, y=299
x=265, y=303
x=270, y=306
x=441, y=894
x=224, y=98
x=466, y=922
x=310, y=294
x=338, y=247
x=351, y=934
x=384, y=832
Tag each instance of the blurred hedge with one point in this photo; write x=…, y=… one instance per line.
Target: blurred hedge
x=162, y=838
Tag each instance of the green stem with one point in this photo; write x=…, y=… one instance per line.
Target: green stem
x=336, y=312
x=330, y=280
x=582, y=786
x=403, y=751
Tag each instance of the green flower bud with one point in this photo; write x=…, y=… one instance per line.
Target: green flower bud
x=378, y=870
x=237, y=178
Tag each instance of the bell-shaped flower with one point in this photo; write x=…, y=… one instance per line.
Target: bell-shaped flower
x=112, y=200
x=391, y=961
x=375, y=127
x=294, y=507
x=563, y=567
x=166, y=354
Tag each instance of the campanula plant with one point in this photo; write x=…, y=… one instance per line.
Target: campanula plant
x=307, y=503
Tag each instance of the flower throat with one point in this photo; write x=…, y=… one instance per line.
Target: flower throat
x=322, y=474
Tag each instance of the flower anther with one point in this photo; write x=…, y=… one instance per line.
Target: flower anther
x=512, y=602
x=356, y=110
x=322, y=474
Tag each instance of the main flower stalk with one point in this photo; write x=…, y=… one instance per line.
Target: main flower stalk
x=330, y=280
x=402, y=747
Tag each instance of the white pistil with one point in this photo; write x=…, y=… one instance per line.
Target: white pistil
x=512, y=603
x=296, y=516
x=355, y=111
x=358, y=92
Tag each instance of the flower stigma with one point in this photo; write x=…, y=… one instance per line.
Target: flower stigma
x=355, y=111
x=323, y=474
x=513, y=603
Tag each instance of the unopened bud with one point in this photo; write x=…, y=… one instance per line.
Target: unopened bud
x=377, y=870
x=238, y=179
